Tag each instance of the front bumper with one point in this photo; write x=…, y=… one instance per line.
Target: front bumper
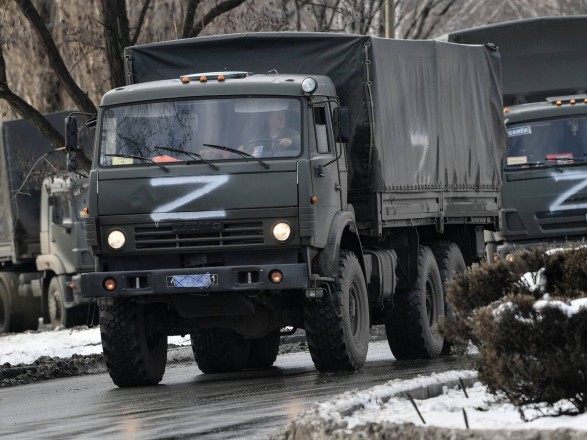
x=195, y=280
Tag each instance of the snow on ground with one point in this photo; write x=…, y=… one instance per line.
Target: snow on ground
x=25, y=348
x=482, y=411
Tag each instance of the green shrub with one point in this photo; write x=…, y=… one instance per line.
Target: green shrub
x=530, y=355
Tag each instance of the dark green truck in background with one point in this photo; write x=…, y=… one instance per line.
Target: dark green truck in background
x=544, y=192
x=43, y=246
x=203, y=224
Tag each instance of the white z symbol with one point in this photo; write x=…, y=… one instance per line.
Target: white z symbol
x=165, y=212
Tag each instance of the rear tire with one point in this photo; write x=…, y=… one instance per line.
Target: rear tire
x=450, y=262
x=337, y=329
x=134, y=352
x=413, y=322
x=4, y=309
x=220, y=352
x=18, y=313
x=264, y=351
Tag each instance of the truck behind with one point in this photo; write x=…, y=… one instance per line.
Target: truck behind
x=204, y=223
x=544, y=193
x=42, y=238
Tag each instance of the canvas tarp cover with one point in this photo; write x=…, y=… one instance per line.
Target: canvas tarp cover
x=436, y=106
x=21, y=145
x=541, y=57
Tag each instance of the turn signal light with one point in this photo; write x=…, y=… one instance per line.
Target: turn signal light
x=276, y=276
x=109, y=284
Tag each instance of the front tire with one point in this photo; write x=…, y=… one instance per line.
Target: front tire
x=134, y=352
x=59, y=315
x=413, y=322
x=220, y=352
x=337, y=326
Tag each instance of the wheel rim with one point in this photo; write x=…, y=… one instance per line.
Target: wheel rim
x=2, y=313
x=353, y=308
x=54, y=305
x=429, y=301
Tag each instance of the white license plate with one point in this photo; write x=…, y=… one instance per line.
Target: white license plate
x=201, y=281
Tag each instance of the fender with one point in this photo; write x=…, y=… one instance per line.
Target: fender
x=50, y=262
x=343, y=234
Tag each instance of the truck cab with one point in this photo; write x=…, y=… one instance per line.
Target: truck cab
x=64, y=251
x=544, y=199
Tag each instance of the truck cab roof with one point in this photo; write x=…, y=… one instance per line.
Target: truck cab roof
x=553, y=107
x=215, y=84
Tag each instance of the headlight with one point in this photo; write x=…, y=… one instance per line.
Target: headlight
x=116, y=239
x=282, y=231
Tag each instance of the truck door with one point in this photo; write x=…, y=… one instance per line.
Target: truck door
x=61, y=229
x=325, y=171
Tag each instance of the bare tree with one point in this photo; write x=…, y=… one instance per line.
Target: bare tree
x=117, y=35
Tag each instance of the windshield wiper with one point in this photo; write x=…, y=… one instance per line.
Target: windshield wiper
x=190, y=154
x=131, y=156
x=239, y=152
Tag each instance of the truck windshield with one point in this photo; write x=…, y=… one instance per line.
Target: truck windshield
x=558, y=142
x=160, y=131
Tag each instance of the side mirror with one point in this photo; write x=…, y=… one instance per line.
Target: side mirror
x=342, y=124
x=71, y=140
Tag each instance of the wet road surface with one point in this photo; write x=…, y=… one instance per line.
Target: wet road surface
x=188, y=404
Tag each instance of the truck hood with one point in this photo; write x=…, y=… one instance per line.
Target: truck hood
x=189, y=197
x=544, y=204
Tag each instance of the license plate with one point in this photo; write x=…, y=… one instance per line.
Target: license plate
x=201, y=281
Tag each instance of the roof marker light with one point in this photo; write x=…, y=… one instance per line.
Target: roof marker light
x=203, y=79
x=559, y=102
x=572, y=102
x=185, y=79
x=309, y=85
x=220, y=77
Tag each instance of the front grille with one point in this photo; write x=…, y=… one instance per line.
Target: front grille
x=170, y=237
x=569, y=219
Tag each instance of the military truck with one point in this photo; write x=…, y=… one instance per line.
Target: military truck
x=544, y=198
x=207, y=221
x=42, y=238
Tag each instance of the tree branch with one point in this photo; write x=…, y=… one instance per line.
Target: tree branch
x=216, y=11
x=190, y=16
x=140, y=22
x=80, y=98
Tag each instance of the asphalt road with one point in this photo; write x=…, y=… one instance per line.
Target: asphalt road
x=189, y=404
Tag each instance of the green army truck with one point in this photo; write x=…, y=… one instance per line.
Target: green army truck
x=544, y=193
x=247, y=183
x=43, y=249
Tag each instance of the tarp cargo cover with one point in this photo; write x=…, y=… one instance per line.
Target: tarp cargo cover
x=21, y=144
x=541, y=57
x=436, y=107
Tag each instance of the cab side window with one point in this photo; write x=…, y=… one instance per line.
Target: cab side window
x=321, y=130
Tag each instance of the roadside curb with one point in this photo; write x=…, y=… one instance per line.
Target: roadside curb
x=323, y=419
